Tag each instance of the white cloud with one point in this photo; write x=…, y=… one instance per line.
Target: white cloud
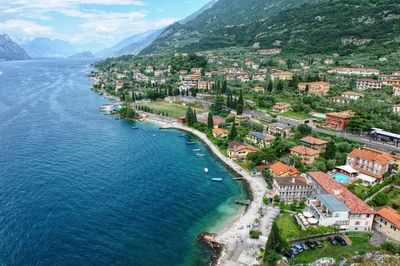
x=25, y=27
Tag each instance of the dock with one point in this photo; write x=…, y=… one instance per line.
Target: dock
x=243, y=202
x=238, y=178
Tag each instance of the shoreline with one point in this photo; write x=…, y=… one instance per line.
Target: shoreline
x=237, y=248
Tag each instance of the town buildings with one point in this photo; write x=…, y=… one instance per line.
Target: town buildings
x=279, y=128
x=387, y=222
x=281, y=107
x=314, y=143
x=270, y=51
x=365, y=72
x=261, y=140
x=307, y=156
x=281, y=75
x=281, y=169
x=370, y=162
x=219, y=133
x=316, y=88
x=338, y=121
x=360, y=214
x=238, y=150
x=369, y=84
x=290, y=189
x=352, y=95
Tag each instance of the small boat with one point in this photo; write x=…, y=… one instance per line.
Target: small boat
x=135, y=128
x=190, y=143
x=200, y=154
x=206, y=170
x=216, y=179
x=183, y=135
x=196, y=149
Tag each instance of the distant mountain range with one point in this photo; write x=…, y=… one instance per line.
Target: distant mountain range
x=9, y=50
x=82, y=55
x=299, y=26
x=47, y=48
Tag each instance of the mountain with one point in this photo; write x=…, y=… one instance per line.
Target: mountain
x=9, y=50
x=301, y=26
x=47, y=48
x=136, y=43
x=86, y=55
x=131, y=45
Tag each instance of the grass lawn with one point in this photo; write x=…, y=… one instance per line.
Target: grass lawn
x=394, y=198
x=173, y=110
x=359, y=190
x=287, y=226
x=360, y=244
x=295, y=115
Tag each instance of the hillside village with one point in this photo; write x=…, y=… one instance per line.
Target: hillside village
x=323, y=131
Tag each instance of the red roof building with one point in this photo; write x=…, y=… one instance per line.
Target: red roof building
x=338, y=121
x=307, y=156
x=387, y=222
x=281, y=169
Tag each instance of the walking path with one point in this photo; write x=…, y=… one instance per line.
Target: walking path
x=239, y=249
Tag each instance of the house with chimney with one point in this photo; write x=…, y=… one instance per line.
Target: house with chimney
x=360, y=216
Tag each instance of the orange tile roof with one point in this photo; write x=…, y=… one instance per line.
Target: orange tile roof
x=281, y=168
x=219, y=131
x=383, y=158
x=303, y=150
x=314, y=141
x=331, y=186
x=390, y=214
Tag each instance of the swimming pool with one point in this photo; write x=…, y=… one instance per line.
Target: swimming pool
x=341, y=178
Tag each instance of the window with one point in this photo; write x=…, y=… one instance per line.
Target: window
x=368, y=215
x=357, y=223
x=336, y=215
x=394, y=228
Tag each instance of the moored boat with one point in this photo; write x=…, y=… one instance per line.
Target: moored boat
x=206, y=170
x=216, y=179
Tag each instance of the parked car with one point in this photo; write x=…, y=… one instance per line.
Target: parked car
x=318, y=244
x=341, y=240
x=294, y=250
x=304, y=245
x=332, y=240
x=289, y=254
x=310, y=244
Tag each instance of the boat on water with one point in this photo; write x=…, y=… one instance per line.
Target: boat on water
x=190, y=143
x=216, y=179
x=196, y=149
x=200, y=154
x=135, y=128
x=206, y=170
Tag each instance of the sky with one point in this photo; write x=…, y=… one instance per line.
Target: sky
x=89, y=22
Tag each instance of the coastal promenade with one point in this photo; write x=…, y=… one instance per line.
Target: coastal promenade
x=238, y=249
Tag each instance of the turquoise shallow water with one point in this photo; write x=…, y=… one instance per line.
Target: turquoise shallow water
x=78, y=187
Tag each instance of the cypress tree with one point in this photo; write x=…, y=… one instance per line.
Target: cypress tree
x=270, y=86
x=233, y=134
x=189, y=116
x=240, y=104
x=210, y=121
x=194, y=117
x=330, y=152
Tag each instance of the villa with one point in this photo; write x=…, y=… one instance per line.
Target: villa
x=369, y=84
x=338, y=121
x=317, y=88
x=369, y=162
x=356, y=71
x=219, y=133
x=396, y=90
x=281, y=107
x=260, y=139
x=314, y=143
x=352, y=95
x=387, y=222
x=279, y=128
x=361, y=215
x=281, y=75
x=238, y=150
x=281, y=169
x=289, y=189
x=307, y=156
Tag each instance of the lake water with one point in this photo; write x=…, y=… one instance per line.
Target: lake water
x=78, y=187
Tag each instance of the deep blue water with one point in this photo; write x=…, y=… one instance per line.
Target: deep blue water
x=78, y=187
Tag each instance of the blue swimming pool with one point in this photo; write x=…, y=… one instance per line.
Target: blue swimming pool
x=341, y=178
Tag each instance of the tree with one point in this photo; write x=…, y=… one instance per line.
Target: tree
x=210, y=121
x=273, y=246
x=233, y=133
x=240, y=104
x=381, y=199
x=217, y=107
x=330, y=152
x=304, y=129
x=270, y=86
x=189, y=116
x=194, y=117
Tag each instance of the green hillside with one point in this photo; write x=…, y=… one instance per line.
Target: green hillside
x=337, y=26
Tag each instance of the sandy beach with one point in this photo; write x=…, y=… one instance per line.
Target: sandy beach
x=239, y=249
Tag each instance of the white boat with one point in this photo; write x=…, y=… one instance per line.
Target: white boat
x=196, y=149
x=206, y=170
x=200, y=154
x=217, y=179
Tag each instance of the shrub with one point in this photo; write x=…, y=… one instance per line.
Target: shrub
x=255, y=234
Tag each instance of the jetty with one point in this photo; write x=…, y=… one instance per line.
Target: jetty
x=243, y=202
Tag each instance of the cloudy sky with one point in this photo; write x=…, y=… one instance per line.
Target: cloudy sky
x=87, y=21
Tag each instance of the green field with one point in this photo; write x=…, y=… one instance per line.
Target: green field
x=360, y=244
x=173, y=110
x=295, y=115
x=287, y=226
